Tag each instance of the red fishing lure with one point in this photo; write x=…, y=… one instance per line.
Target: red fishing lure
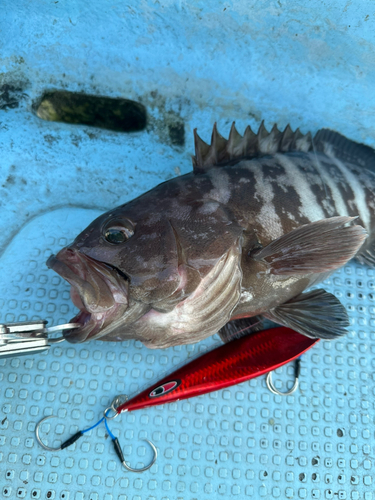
x=227, y=365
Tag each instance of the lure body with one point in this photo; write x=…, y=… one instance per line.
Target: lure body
x=229, y=364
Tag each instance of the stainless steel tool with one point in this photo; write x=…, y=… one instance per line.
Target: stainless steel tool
x=29, y=337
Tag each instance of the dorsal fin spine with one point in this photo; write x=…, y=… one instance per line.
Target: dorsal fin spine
x=234, y=142
x=250, y=145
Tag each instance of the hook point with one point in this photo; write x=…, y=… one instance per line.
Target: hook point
x=143, y=469
x=37, y=428
x=273, y=389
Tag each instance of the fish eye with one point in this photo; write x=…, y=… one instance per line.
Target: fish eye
x=117, y=234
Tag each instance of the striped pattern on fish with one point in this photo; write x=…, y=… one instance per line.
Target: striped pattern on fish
x=297, y=188
x=260, y=219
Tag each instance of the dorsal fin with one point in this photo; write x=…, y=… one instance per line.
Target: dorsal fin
x=250, y=145
x=344, y=149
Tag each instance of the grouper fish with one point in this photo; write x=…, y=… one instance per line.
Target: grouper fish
x=261, y=218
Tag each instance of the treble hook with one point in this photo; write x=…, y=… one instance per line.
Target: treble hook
x=272, y=388
x=115, y=440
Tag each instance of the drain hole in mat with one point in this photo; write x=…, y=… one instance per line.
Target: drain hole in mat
x=121, y=115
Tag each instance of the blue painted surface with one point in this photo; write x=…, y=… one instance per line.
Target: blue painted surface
x=311, y=65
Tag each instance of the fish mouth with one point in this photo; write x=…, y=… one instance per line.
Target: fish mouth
x=98, y=290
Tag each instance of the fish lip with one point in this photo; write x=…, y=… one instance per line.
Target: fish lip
x=97, y=289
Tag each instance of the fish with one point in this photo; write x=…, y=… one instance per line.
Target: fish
x=261, y=218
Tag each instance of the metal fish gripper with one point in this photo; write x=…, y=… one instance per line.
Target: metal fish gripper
x=29, y=337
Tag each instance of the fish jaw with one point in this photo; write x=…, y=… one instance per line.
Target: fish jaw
x=97, y=290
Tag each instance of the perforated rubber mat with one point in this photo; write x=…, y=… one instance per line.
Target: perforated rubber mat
x=238, y=443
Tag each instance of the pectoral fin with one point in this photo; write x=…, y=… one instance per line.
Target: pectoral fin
x=313, y=248
x=316, y=314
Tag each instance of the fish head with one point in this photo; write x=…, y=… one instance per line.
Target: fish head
x=121, y=265
x=148, y=254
